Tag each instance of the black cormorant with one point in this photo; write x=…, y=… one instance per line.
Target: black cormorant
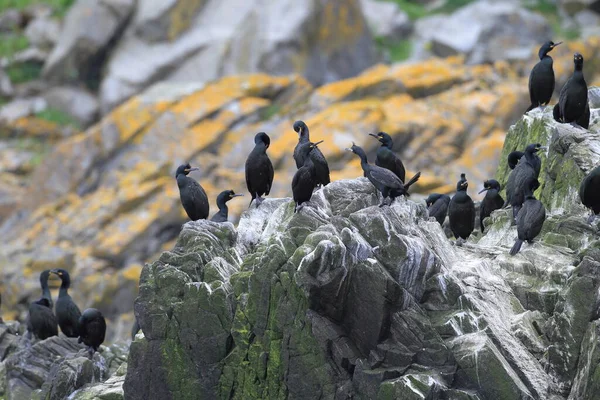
x=259, y=170
x=67, y=312
x=92, y=329
x=45, y=289
x=305, y=179
x=321, y=166
x=41, y=322
x=222, y=199
x=541, y=78
x=193, y=197
x=573, y=104
x=386, y=158
x=461, y=212
x=513, y=158
x=589, y=192
x=438, y=206
x=519, y=177
x=492, y=200
x=383, y=179
x=530, y=219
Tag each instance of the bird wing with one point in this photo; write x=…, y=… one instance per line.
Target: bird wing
x=562, y=99
x=440, y=206
x=385, y=177
x=248, y=182
x=270, y=174
x=297, y=155
x=321, y=166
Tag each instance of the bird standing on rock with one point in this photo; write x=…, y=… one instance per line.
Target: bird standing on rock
x=383, y=179
x=192, y=194
x=461, y=212
x=572, y=106
x=541, y=78
x=527, y=169
x=67, y=312
x=41, y=321
x=589, y=192
x=386, y=157
x=318, y=159
x=305, y=179
x=530, y=219
x=259, y=169
x=222, y=199
x=92, y=329
x=492, y=200
x=438, y=206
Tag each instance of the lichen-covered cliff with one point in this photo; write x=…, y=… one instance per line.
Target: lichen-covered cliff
x=349, y=300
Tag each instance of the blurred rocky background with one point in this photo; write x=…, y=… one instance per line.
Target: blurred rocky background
x=102, y=99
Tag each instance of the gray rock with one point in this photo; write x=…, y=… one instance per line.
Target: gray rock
x=6, y=87
x=588, y=23
x=111, y=389
x=323, y=40
x=88, y=28
x=72, y=373
x=10, y=20
x=486, y=31
x=78, y=103
x=572, y=7
x=22, y=108
x=386, y=19
x=43, y=33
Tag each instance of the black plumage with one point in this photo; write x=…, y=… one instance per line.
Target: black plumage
x=92, y=329
x=492, y=200
x=383, y=179
x=305, y=179
x=437, y=206
x=135, y=328
x=67, y=312
x=513, y=158
x=461, y=211
x=259, y=170
x=541, y=78
x=573, y=104
x=41, y=322
x=222, y=199
x=45, y=289
x=386, y=158
x=318, y=159
x=589, y=192
x=530, y=219
x=192, y=194
x=1, y=321
x=528, y=168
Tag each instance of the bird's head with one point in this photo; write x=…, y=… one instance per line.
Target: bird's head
x=263, y=138
x=184, y=169
x=534, y=148
x=462, y=184
x=490, y=184
x=432, y=198
x=578, y=60
x=300, y=127
x=227, y=195
x=383, y=138
x=547, y=48
x=63, y=274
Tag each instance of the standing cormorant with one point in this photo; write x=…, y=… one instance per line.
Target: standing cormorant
x=259, y=170
x=193, y=197
x=573, y=104
x=92, y=329
x=530, y=219
x=67, y=312
x=438, y=206
x=383, y=179
x=461, y=212
x=321, y=166
x=541, y=78
x=305, y=179
x=589, y=192
x=386, y=158
x=492, y=200
x=45, y=289
x=519, y=177
x=222, y=199
x=41, y=322
x=513, y=158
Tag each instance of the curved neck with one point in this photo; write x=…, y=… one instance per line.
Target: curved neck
x=223, y=210
x=64, y=288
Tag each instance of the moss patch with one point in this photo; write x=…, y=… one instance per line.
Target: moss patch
x=58, y=117
x=59, y=7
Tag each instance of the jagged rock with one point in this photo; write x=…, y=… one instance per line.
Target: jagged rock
x=10, y=20
x=21, y=108
x=386, y=20
x=111, y=389
x=6, y=87
x=43, y=33
x=322, y=40
x=8, y=339
x=72, y=373
x=78, y=103
x=487, y=31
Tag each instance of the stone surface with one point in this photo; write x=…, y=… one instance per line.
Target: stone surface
x=386, y=19
x=21, y=108
x=43, y=33
x=78, y=103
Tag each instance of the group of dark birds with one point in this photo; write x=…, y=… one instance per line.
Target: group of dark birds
x=43, y=322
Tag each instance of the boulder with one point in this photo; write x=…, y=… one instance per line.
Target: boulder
x=386, y=20
x=43, y=33
x=22, y=108
x=72, y=373
x=78, y=103
x=10, y=20
x=6, y=87
x=572, y=7
x=186, y=41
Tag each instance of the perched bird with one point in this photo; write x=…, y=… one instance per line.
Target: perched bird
x=321, y=166
x=530, y=219
x=461, y=212
x=383, y=179
x=192, y=195
x=519, y=177
x=222, y=199
x=541, y=78
x=573, y=101
x=589, y=192
x=513, y=158
x=386, y=158
x=259, y=170
x=437, y=206
x=67, y=312
x=305, y=179
x=41, y=322
x=45, y=289
x=92, y=329
x=492, y=200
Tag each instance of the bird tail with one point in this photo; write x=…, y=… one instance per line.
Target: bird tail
x=412, y=180
x=531, y=107
x=517, y=246
x=556, y=113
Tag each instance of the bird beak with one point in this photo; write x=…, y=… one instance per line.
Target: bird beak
x=556, y=44
x=193, y=169
x=348, y=149
x=544, y=148
x=318, y=143
x=374, y=135
x=484, y=190
x=237, y=195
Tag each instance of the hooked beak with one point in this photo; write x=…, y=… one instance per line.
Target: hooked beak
x=374, y=135
x=318, y=143
x=237, y=195
x=193, y=169
x=556, y=44
x=484, y=190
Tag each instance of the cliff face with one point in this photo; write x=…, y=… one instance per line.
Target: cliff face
x=349, y=300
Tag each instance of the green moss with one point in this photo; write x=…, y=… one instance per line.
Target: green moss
x=12, y=44
x=270, y=111
x=59, y=7
x=180, y=370
x=25, y=72
x=415, y=10
x=58, y=117
x=397, y=50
